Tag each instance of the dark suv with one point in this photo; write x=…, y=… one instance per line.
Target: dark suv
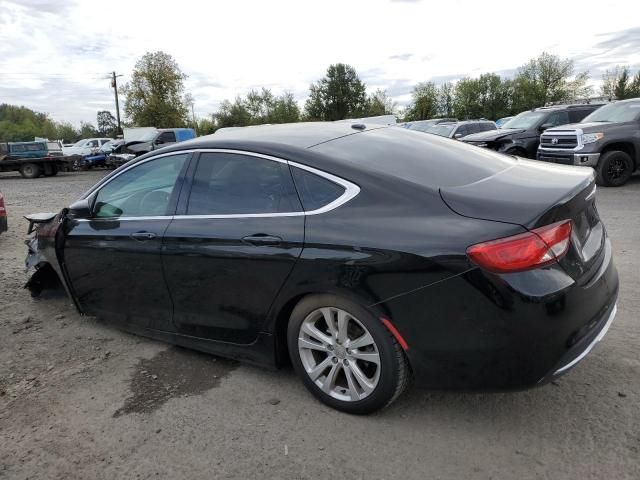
x=521, y=135
x=607, y=140
x=459, y=130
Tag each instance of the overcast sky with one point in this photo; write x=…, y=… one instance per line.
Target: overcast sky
x=54, y=54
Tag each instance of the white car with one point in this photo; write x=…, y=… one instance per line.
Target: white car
x=86, y=146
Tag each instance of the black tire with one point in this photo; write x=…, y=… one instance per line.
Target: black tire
x=30, y=170
x=50, y=170
x=394, y=373
x=614, y=169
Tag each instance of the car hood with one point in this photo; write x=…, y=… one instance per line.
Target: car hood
x=492, y=135
x=590, y=127
x=522, y=193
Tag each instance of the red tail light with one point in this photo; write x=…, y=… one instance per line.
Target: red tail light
x=3, y=210
x=533, y=249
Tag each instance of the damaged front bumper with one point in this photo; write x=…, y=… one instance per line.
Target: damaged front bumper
x=43, y=257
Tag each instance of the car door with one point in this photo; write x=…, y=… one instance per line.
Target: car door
x=236, y=236
x=113, y=257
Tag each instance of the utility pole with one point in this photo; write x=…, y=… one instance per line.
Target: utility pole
x=193, y=115
x=114, y=85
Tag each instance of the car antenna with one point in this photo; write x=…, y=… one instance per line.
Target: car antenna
x=358, y=126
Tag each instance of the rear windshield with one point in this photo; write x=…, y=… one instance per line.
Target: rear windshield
x=415, y=157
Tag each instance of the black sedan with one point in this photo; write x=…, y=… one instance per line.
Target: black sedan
x=364, y=255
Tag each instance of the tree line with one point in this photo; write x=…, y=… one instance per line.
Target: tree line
x=156, y=96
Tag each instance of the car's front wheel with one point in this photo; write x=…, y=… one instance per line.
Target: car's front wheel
x=614, y=169
x=345, y=355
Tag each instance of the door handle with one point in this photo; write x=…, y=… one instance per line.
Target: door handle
x=262, y=239
x=143, y=236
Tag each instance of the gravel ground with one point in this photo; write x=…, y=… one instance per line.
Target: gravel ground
x=80, y=399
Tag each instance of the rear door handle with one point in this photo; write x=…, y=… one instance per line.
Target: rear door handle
x=143, y=236
x=262, y=239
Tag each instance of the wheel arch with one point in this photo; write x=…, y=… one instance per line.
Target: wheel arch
x=282, y=314
x=626, y=147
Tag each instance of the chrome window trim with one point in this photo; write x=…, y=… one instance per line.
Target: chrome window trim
x=350, y=189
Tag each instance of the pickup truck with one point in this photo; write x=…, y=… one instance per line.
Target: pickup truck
x=521, y=135
x=32, y=159
x=607, y=140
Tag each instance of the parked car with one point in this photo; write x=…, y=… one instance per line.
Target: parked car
x=152, y=139
x=340, y=248
x=459, y=130
x=3, y=214
x=424, y=125
x=86, y=146
x=521, y=135
x=607, y=140
x=502, y=121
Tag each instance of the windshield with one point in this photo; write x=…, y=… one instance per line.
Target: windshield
x=615, y=112
x=444, y=130
x=422, y=125
x=79, y=143
x=525, y=120
x=147, y=137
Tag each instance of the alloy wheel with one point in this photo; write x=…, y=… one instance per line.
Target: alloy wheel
x=617, y=167
x=339, y=354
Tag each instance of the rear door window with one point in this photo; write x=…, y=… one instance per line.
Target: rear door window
x=577, y=115
x=236, y=184
x=315, y=191
x=558, y=118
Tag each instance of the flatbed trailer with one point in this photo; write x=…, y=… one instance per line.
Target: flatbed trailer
x=36, y=167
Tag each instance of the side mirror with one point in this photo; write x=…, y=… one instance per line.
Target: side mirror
x=159, y=141
x=81, y=208
x=545, y=126
x=458, y=135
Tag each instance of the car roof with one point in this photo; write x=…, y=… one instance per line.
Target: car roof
x=568, y=106
x=301, y=135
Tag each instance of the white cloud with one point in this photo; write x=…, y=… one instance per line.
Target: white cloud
x=54, y=55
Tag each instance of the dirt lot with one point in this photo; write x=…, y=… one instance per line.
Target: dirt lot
x=79, y=399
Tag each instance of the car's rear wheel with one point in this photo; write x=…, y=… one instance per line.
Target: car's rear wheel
x=614, y=169
x=345, y=355
x=30, y=170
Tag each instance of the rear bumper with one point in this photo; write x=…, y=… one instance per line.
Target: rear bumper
x=479, y=331
x=582, y=349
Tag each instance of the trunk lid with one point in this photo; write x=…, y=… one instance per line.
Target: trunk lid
x=533, y=194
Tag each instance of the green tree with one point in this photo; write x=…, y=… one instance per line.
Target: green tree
x=232, y=114
x=155, y=95
x=339, y=95
x=634, y=88
x=106, y=124
x=206, y=126
x=379, y=103
x=424, y=102
x=446, y=96
x=284, y=109
x=87, y=130
x=66, y=132
x=548, y=78
x=622, y=87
